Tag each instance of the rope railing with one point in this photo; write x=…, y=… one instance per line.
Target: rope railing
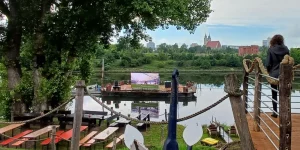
x=284, y=82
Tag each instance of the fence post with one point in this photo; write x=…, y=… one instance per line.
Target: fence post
x=257, y=98
x=171, y=143
x=238, y=107
x=245, y=88
x=53, y=147
x=77, y=114
x=285, y=127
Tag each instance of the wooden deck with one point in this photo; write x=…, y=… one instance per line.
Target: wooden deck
x=261, y=142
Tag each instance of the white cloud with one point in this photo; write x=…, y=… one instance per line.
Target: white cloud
x=255, y=12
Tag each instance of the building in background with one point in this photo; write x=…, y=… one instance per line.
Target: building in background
x=151, y=45
x=194, y=45
x=212, y=44
x=248, y=50
x=266, y=43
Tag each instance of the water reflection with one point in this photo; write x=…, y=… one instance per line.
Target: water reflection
x=207, y=95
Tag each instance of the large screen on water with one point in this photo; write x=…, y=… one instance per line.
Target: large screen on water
x=145, y=78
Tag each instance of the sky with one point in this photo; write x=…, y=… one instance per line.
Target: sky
x=240, y=22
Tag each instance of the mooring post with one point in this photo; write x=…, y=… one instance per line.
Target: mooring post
x=285, y=119
x=166, y=115
x=257, y=99
x=53, y=147
x=245, y=88
x=80, y=85
x=171, y=143
x=238, y=109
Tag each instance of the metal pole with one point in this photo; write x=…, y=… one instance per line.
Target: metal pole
x=53, y=147
x=78, y=115
x=171, y=143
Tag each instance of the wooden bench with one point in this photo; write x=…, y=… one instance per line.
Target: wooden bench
x=20, y=142
x=115, y=124
x=86, y=138
x=47, y=141
x=67, y=135
x=6, y=142
x=111, y=144
x=212, y=130
x=232, y=130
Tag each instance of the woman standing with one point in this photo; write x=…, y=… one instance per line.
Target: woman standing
x=275, y=55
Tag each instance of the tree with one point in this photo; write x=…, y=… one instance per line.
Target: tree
x=62, y=30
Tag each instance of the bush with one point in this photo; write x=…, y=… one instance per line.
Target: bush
x=160, y=64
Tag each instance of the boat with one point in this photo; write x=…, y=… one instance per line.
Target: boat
x=122, y=89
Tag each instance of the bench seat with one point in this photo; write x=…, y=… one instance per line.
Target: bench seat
x=47, y=141
x=115, y=124
x=5, y=142
x=18, y=143
x=86, y=138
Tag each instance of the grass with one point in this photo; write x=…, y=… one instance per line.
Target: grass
x=154, y=139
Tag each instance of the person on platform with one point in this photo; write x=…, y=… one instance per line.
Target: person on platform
x=275, y=55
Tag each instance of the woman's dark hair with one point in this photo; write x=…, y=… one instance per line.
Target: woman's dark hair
x=277, y=39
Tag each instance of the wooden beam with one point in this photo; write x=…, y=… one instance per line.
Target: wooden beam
x=285, y=127
x=257, y=99
x=238, y=109
x=245, y=88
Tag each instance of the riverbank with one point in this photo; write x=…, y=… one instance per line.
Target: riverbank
x=169, y=69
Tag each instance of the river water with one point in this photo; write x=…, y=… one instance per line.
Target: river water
x=211, y=91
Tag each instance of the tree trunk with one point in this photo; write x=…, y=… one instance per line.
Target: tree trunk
x=39, y=59
x=12, y=62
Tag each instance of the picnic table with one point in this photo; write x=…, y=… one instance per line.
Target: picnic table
x=38, y=133
x=123, y=122
x=26, y=116
x=90, y=119
x=102, y=136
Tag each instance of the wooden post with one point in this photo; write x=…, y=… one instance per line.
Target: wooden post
x=53, y=147
x=166, y=115
x=102, y=70
x=114, y=143
x=111, y=113
x=245, y=88
x=78, y=115
x=285, y=120
x=238, y=109
x=257, y=99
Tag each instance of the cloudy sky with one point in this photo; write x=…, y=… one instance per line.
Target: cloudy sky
x=241, y=22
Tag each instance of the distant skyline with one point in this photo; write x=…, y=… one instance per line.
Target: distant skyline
x=240, y=22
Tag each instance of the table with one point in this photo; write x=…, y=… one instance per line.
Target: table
x=10, y=127
x=106, y=133
x=40, y=132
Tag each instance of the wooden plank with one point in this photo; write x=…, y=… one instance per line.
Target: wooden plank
x=285, y=127
x=78, y=114
x=86, y=138
x=20, y=142
x=40, y=132
x=238, y=109
x=106, y=133
x=10, y=127
x=123, y=121
x=257, y=98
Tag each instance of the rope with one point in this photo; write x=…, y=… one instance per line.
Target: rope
x=257, y=61
x=22, y=139
x=162, y=122
x=39, y=117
